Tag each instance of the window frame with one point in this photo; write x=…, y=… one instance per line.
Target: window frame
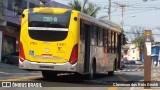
x=94, y=35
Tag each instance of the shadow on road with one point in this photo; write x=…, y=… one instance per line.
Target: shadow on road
x=100, y=80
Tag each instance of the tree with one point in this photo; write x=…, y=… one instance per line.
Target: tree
x=85, y=7
x=139, y=38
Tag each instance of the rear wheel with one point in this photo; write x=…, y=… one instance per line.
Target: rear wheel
x=49, y=74
x=111, y=73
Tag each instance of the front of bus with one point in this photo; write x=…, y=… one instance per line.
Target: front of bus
x=48, y=41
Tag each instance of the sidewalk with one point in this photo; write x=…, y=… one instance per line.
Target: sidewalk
x=155, y=78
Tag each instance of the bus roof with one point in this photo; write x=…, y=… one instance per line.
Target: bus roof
x=103, y=23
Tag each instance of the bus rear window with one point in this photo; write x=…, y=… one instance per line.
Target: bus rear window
x=49, y=27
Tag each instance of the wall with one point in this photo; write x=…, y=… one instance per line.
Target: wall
x=133, y=52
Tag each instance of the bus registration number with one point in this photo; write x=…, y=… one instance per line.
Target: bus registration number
x=47, y=55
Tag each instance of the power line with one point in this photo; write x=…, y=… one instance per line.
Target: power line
x=143, y=7
x=136, y=12
x=138, y=33
x=137, y=4
x=153, y=28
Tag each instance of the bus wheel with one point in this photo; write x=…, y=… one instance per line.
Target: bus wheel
x=92, y=71
x=78, y=76
x=111, y=73
x=49, y=74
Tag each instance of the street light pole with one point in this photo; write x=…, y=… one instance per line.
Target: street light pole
x=122, y=23
x=109, y=9
x=122, y=6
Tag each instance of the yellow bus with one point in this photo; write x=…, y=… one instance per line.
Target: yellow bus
x=59, y=40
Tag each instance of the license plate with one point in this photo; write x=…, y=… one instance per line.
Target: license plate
x=46, y=55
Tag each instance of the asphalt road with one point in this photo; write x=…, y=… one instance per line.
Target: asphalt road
x=68, y=82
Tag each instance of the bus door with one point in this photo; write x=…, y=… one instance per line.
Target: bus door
x=87, y=47
x=119, y=38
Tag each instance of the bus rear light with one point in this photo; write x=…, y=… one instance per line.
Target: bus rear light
x=21, y=53
x=74, y=54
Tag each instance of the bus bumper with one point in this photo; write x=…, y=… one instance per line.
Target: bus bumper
x=64, y=67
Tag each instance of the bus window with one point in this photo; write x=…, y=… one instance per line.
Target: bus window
x=82, y=34
x=105, y=36
x=48, y=27
x=109, y=41
x=113, y=42
x=100, y=37
x=94, y=36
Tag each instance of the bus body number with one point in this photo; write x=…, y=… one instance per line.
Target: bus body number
x=61, y=44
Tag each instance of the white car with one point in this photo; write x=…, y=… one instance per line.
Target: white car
x=138, y=62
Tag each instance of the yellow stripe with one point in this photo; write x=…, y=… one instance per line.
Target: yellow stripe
x=112, y=88
x=115, y=88
x=122, y=78
x=22, y=78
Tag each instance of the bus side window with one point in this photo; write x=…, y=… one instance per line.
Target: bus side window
x=113, y=42
x=109, y=41
x=100, y=37
x=82, y=35
x=105, y=38
x=94, y=35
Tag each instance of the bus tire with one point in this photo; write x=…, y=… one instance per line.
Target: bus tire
x=49, y=74
x=111, y=73
x=78, y=76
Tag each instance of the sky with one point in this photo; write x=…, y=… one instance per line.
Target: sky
x=136, y=13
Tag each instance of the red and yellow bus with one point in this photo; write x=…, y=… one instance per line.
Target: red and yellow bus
x=59, y=40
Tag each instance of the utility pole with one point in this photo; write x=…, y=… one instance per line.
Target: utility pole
x=122, y=13
x=28, y=2
x=109, y=9
x=122, y=6
x=147, y=58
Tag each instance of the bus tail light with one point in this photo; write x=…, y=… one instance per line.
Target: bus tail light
x=74, y=54
x=21, y=53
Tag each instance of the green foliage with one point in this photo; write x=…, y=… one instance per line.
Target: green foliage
x=139, y=41
x=85, y=7
x=76, y=5
x=139, y=38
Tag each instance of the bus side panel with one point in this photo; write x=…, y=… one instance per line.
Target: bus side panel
x=82, y=47
x=103, y=59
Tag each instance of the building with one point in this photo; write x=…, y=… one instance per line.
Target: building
x=131, y=52
x=10, y=21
